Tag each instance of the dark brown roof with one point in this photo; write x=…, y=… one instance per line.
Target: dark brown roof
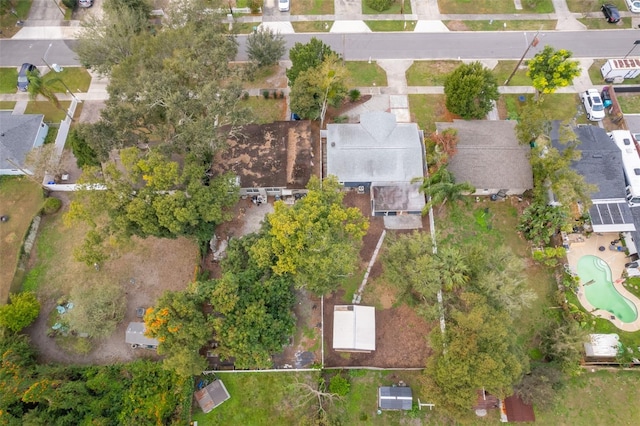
x=281, y=154
x=212, y=395
x=518, y=411
x=486, y=401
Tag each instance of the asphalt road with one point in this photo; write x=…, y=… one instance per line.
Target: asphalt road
x=464, y=45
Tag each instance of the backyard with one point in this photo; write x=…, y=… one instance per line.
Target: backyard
x=20, y=200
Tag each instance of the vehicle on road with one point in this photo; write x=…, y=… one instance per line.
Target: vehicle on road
x=633, y=5
x=283, y=5
x=23, y=77
x=593, y=104
x=611, y=13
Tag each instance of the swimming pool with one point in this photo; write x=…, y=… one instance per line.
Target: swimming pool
x=595, y=276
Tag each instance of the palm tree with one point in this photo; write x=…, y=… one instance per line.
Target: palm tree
x=452, y=268
x=441, y=187
x=38, y=85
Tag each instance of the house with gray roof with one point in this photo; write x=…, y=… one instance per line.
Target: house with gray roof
x=600, y=164
x=19, y=134
x=381, y=157
x=489, y=157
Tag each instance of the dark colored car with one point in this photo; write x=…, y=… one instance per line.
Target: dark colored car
x=23, y=78
x=611, y=13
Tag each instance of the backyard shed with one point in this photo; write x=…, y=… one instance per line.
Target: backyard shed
x=354, y=328
x=136, y=338
x=212, y=395
x=395, y=398
x=602, y=346
x=517, y=411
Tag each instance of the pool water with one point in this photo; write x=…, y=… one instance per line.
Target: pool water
x=595, y=276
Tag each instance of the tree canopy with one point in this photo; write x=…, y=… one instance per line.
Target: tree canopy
x=470, y=90
x=441, y=187
x=265, y=47
x=316, y=240
x=551, y=69
x=97, y=310
x=22, y=309
x=306, y=56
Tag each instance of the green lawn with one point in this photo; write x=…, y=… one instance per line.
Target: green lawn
x=629, y=103
x=559, y=106
x=586, y=6
x=363, y=73
x=52, y=114
x=8, y=20
x=260, y=399
x=494, y=6
x=524, y=25
x=385, y=26
x=503, y=70
x=8, y=80
x=7, y=105
x=267, y=110
x=312, y=26
x=426, y=110
x=77, y=79
x=603, y=397
x=602, y=24
x=312, y=7
x=21, y=200
x=266, y=78
x=396, y=8
x=430, y=73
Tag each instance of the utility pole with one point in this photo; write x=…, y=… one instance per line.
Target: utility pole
x=635, y=43
x=533, y=43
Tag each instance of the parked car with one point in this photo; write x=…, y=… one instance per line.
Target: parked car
x=23, y=77
x=634, y=5
x=283, y=5
x=593, y=104
x=611, y=13
x=85, y=3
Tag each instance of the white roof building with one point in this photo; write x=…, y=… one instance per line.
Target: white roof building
x=354, y=328
x=602, y=346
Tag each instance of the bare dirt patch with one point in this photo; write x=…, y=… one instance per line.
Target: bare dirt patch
x=457, y=26
x=401, y=339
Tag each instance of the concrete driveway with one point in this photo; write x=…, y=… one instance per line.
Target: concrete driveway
x=45, y=10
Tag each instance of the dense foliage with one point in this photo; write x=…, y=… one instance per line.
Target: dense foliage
x=306, y=56
x=137, y=393
x=316, y=241
x=22, y=310
x=380, y=5
x=471, y=89
x=97, y=310
x=265, y=47
x=551, y=69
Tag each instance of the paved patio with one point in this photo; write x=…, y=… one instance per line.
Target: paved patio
x=581, y=246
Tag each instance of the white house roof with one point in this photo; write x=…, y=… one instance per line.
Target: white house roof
x=354, y=328
x=376, y=149
x=602, y=345
x=135, y=335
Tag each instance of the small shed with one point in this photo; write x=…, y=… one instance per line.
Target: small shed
x=212, y=395
x=395, y=398
x=136, y=338
x=602, y=347
x=354, y=328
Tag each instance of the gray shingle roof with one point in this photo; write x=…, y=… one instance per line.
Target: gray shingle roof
x=601, y=161
x=489, y=155
x=376, y=149
x=395, y=398
x=18, y=134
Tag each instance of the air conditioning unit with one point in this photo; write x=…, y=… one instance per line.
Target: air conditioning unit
x=361, y=189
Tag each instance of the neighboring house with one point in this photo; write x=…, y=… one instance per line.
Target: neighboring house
x=381, y=157
x=600, y=164
x=19, y=134
x=395, y=398
x=212, y=395
x=489, y=157
x=273, y=159
x=136, y=338
x=354, y=328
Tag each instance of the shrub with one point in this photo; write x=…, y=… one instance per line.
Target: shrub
x=265, y=94
x=51, y=205
x=245, y=96
x=254, y=5
x=339, y=385
x=354, y=95
x=70, y=4
x=380, y=5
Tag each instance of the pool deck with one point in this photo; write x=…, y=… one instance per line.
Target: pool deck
x=616, y=261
